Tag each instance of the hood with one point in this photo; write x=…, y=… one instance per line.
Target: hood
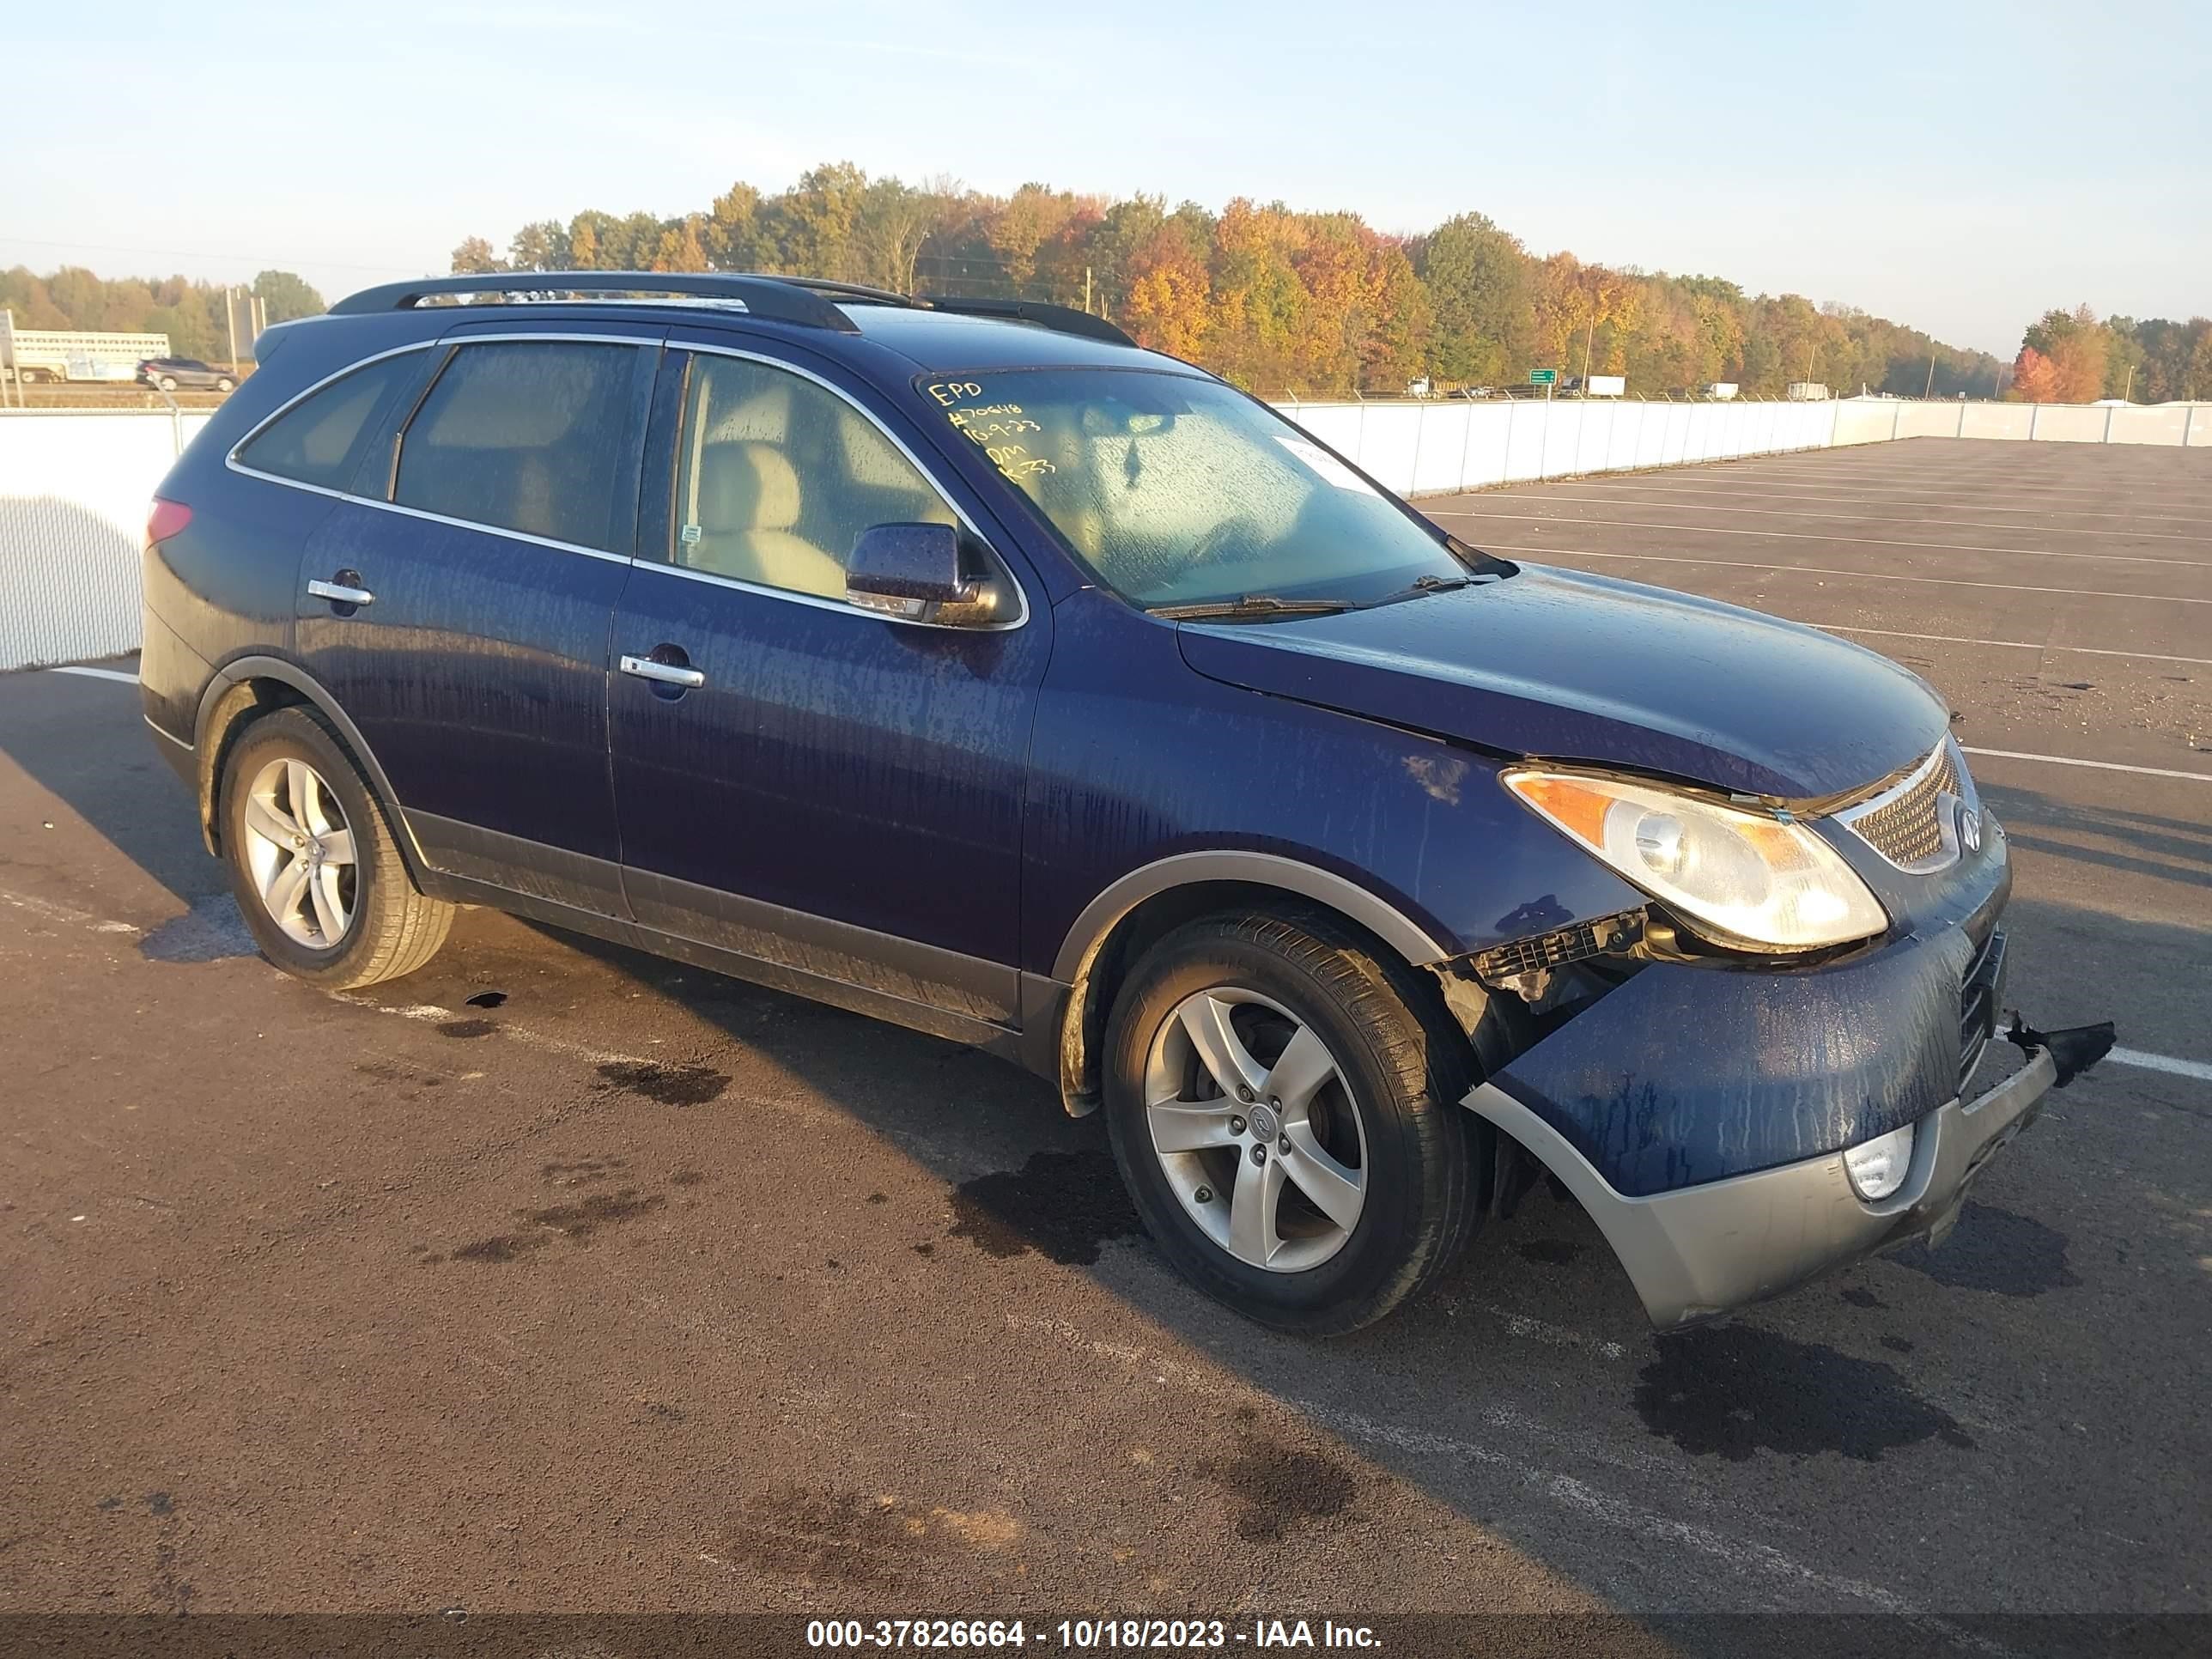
x=1562, y=665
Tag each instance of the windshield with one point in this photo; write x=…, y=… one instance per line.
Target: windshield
x=1178, y=491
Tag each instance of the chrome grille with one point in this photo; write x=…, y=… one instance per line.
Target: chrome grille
x=1905, y=823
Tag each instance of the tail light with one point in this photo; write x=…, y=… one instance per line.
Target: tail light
x=164, y=520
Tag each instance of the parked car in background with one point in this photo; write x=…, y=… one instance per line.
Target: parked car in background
x=960, y=663
x=170, y=372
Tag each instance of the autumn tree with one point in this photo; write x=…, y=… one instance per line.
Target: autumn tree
x=1282, y=300
x=474, y=257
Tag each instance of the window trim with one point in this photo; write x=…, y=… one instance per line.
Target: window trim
x=928, y=475
x=453, y=346
x=639, y=342
x=231, y=458
x=666, y=344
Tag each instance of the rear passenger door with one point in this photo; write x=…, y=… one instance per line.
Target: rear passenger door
x=833, y=791
x=490, y=529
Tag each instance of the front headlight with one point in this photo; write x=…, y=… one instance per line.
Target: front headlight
x=1750, y=878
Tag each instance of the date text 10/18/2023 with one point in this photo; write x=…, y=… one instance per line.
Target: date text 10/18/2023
x=1087, y=1635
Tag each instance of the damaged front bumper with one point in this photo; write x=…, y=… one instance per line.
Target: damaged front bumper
x=1699, y=1251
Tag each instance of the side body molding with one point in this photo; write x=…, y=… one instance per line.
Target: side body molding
x=1267, y=869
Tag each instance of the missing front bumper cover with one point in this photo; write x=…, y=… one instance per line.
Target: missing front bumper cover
x=1699, y=1251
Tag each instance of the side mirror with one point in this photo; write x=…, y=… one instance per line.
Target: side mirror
x=915, y=571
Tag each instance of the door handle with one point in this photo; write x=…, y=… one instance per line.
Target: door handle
x=340, y=594
x=666, y=673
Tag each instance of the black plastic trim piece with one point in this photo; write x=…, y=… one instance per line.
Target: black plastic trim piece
x=1061, y=319
x=991, y=1038
x=825, y=949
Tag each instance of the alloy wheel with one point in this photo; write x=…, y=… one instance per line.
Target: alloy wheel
x=1256, y=1128
x=299, y=852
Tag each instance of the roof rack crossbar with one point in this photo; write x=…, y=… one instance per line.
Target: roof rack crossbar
x=1061, y=319
x=773, y=299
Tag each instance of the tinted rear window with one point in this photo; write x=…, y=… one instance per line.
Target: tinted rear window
x=315, y=441
x=531, y=435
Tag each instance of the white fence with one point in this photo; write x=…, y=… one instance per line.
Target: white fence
x=74, y=484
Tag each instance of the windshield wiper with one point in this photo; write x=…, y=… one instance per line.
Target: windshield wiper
x=1423, y=585
x=1248, y=606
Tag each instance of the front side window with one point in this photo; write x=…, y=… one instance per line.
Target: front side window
x=316, y=441
x=531, y=435
x=1175, y=490
x=776, y=477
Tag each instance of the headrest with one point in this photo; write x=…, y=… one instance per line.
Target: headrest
x=746, y=486
x=764, y=418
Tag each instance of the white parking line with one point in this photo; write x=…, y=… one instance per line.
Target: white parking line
x=1861, y=516
x=97, y=673
x=2101, y=766
x=2191, y=1068
x=1823, y=570
x=1699, y=489
x=2016, y=645
x=1807, y=536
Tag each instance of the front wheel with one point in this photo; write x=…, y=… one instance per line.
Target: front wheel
x=222, y=383
x=313, y=863
x=1285, y=1108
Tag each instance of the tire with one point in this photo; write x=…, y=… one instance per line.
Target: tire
x=223, y=383
x=333, y=923
x=1394, y=1058
x=167, y=383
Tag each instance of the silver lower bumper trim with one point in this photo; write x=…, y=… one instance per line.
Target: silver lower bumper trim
x=1705, y=1250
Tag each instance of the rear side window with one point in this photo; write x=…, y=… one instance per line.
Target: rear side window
x=531, y=436
x=316, y=440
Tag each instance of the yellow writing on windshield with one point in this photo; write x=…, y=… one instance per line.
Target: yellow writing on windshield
x=989, y=424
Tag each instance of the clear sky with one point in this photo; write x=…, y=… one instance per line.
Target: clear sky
x=1958, y=167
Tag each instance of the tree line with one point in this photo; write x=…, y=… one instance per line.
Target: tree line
x=1278, y=301
x=2070, y=357
x=189, y=313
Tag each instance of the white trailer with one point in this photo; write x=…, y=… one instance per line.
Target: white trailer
x=31, y=355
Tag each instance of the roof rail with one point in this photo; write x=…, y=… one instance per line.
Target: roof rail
x=835, y=290
x=772, y=298
x=1061, y=319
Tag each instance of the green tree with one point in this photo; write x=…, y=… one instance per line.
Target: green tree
x=285, y=297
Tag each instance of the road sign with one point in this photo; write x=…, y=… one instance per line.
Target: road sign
x=1542, y=376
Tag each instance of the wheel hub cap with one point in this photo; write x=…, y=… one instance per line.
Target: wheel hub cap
x=299, y=854
x=1255, y=1128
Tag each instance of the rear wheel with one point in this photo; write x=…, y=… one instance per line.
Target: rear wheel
x=167, y=383
x=1286, y=1115
x=314, y=861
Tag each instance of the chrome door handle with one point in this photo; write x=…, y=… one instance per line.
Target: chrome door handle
x=339, y=593
x=666, y=673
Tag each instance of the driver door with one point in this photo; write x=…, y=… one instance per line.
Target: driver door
x=804, y=782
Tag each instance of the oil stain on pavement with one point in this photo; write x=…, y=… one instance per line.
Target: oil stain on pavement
x=1065, y=1204
x=1994, y=1249
x=1278, y=1488
x=1733, y=1391
x=664, y=1085
x=578, y=1223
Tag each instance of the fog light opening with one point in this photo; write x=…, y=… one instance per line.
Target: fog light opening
x=1878, y=1167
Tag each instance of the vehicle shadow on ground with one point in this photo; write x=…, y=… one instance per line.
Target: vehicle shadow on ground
x=1530, y=1361
x=2140, y=843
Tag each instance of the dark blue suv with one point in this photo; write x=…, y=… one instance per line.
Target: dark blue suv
x=960, y=663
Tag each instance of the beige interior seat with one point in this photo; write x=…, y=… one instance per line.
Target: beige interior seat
x=748, y=500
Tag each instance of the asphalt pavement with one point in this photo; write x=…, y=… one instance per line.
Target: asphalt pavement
x=555, y=1276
